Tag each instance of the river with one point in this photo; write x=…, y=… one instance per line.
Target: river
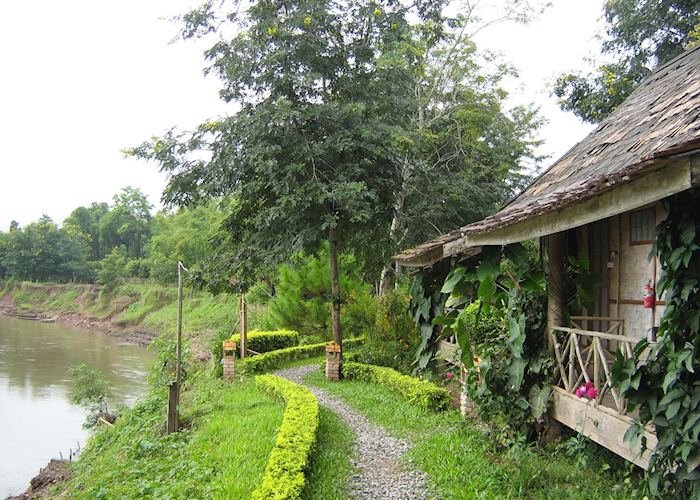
x=37, y=421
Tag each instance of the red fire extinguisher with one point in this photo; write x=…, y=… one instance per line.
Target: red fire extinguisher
x=649, y=298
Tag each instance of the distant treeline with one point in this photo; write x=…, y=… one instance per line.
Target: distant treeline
x=106, y=242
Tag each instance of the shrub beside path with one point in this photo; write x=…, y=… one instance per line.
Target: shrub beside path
x=381, y=473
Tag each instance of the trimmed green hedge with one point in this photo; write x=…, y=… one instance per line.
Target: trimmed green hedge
x=269, y=341
x=273, y=359
x=419, y=392
x=284, y=478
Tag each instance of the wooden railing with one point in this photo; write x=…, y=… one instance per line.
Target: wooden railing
x=605, y=324
x=581, y=357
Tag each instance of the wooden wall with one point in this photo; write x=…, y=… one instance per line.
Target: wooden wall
x=630, y=269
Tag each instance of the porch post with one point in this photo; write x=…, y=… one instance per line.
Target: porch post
x=556, y=284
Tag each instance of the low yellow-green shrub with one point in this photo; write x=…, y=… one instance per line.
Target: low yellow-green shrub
x=259, y=341
x=284, y=477
x=273, y=359
x=419, y=392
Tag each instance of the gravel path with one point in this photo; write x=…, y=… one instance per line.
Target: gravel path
x=378, y=455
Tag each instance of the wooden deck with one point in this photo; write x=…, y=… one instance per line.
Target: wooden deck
x=601, y=424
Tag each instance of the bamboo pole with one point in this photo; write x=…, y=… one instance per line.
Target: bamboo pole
x=556, y=286
x=174, y=394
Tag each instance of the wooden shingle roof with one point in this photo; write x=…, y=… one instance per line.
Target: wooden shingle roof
x=659, y=119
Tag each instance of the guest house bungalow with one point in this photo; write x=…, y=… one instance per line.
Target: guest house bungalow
x=604, y=197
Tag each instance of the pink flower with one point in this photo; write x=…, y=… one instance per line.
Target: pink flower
x=450, y=375
x=587, y=391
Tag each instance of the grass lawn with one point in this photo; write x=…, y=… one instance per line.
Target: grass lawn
x=331, y=468
x=461, y=461
x=222, y=454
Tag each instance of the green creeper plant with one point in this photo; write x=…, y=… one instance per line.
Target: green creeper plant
x=661, y=381
x=506, y=289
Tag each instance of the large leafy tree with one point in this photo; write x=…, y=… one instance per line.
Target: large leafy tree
x=185, y=236
x=466, y=151
x=127, y=223
x=346, y=112
x=43, y=251
x=640, y=36
x=88, y=220
x=308, y=155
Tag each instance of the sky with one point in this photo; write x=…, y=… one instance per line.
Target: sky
x=80, y=80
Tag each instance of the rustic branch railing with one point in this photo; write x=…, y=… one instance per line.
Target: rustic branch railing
x=581, y=357
x=614, y=325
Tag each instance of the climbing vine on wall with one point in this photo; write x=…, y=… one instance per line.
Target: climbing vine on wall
x=427, y=303
x=662, y=381
x=503, y=326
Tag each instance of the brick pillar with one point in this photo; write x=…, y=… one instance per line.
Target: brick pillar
x=229, y=359
x=333, y=361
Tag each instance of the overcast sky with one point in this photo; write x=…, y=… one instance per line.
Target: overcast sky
x=80, y=80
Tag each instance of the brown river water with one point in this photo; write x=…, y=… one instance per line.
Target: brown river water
x=37, y=420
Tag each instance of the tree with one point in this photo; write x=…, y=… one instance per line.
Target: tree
x=301, y=296
x=43, y=252
x=465, y=153
x=113, y=268
x=183, y=236
x=128, y=223
x=4, y=249
x=88, y=220
x=641, y=35
x=307, y=155
x=331, y=105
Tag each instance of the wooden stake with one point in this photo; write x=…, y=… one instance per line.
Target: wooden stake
x=174, y=395
x=173, y=399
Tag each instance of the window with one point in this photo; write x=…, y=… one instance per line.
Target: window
x=642, y=223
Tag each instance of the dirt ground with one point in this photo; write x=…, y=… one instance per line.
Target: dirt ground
x=56, y=471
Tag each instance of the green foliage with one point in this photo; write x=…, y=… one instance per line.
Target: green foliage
x=222, y=453
x=394, y=337
x=273, y=359
x=269, y=341
x=641, y=35
x=342, y=118
x=44, y=252
x=128, y=223
x=88, y=220
x=302, y=299
x=91, y=390
x=511, y=389
x=284, y=477
x=183, y=236
x=422, y=393
x=113, y=268
x=661, y=382
x=427, y=303
x=163, y=370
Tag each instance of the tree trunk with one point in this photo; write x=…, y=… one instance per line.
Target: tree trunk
x=335, y=286
x=386, y=279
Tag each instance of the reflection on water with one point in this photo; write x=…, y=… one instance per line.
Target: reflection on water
x=36, y=419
